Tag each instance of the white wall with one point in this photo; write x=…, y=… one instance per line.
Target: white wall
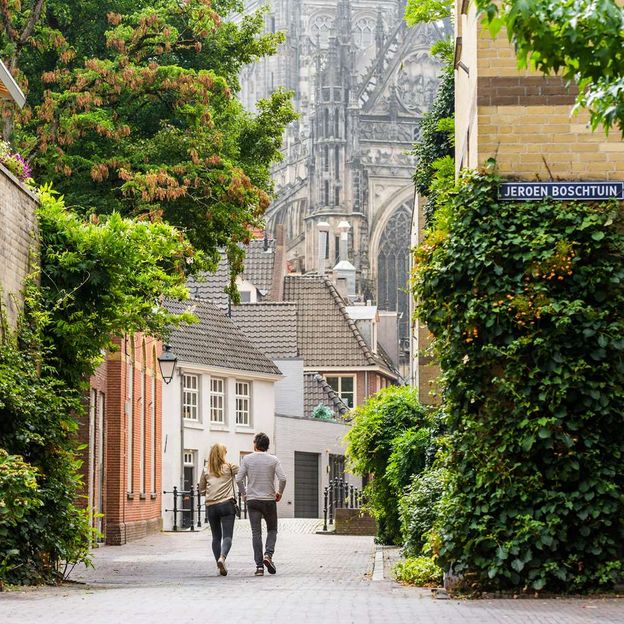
x=200, y=436
x=289, y=391
x=309, y=436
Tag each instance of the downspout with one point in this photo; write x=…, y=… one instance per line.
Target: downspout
x=179, y=374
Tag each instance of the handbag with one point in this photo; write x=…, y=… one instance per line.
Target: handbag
x=237, y=509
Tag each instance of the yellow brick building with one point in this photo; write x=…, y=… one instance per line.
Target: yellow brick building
x=524, y=120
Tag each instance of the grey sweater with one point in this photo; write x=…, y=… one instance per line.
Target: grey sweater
x=256, y=477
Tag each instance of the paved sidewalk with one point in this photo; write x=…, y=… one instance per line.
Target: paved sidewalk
x=170, y=578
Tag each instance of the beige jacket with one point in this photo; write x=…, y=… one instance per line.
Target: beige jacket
x=218, y=489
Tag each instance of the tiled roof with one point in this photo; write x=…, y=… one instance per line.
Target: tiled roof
x=316, y=390
x=259, y=264
x=258, y=270
x=271, y=327
x=328, y=336
x=212, y=286
x=216, y=341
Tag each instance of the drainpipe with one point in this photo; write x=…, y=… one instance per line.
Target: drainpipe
x=179, y=376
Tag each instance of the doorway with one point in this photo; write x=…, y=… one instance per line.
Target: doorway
x=306, y=485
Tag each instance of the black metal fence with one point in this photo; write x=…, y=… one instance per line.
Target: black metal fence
x=188, y=508
x=339, y=495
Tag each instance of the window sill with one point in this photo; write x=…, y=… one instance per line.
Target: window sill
x=130, y=496
x=243, y=429
x=216, y=427
x=141, y=496
x=193, y=424
x=153, y=495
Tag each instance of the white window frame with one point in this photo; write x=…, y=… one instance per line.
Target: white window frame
x=190, y=409
x=217, y=412
x=339, y=390
x=242, y=403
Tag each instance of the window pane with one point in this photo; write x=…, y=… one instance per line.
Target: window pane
x=347, y=384
x=334, y=382
x=190, y=397
x=242, y=403
x=217, y=400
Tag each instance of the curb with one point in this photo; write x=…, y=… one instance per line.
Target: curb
x=378, y=565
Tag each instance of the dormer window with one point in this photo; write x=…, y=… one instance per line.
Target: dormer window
x=344, y=387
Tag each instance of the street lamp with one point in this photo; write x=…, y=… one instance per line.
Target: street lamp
x=167, y=361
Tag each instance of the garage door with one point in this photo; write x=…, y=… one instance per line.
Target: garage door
x=306, y=485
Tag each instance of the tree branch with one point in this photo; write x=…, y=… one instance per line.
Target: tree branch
x=32, y=22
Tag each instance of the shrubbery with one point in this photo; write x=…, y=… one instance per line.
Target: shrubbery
x=389, y=440
x=421, y=571
x=418, y=508
x=526, y=303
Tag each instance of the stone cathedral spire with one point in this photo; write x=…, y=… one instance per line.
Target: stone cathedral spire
x=362, y=82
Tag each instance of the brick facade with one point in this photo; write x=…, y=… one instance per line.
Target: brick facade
x=520, y=117
x=354, y=522
x=18, y=241
x=123, y=430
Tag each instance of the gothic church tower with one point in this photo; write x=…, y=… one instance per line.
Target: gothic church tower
x=362, y=81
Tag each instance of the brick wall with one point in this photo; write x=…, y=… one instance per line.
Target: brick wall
x=354, y=522
x=18, y=240
x=522, y=118
x=132, y=434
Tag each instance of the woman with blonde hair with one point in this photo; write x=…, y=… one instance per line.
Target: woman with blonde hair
x=217, y=484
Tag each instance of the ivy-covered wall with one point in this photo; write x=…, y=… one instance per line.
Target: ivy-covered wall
x=526, y=303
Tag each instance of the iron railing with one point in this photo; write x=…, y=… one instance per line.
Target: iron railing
x=191, y=508
x=339, y=494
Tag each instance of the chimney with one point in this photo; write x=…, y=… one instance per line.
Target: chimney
x=344, y=269
x=323, y=233
x=343, y=229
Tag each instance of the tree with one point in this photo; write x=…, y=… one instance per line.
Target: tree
x=151, y=126
x=419, y=11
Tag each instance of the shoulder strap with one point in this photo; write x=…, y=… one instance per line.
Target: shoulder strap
x=232, y=477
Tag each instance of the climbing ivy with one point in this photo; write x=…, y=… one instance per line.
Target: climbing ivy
x=525, y=302
x=434, y=149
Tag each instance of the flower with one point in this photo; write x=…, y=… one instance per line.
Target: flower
x=15, y=163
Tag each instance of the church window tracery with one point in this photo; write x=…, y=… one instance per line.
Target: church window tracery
x=364, y=32
x=393, y=267
x=320, y=28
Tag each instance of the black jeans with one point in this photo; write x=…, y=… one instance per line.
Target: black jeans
x=221, y=518
x=258, y=509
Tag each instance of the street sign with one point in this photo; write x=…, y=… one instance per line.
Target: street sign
x=565, y=191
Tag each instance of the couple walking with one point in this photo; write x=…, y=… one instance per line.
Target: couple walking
x=256, y=482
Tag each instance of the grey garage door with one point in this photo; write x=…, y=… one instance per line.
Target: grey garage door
x=306, y=485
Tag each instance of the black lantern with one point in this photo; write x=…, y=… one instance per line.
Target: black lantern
x=167, y=361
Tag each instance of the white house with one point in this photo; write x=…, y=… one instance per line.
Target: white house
x=222, y=391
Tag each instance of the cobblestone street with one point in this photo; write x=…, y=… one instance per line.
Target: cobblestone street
x=171, y=578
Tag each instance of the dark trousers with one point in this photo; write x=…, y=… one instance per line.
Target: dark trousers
x=221, y=518
x=258, y=509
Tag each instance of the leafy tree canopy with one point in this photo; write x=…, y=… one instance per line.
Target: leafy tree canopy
x=418, y=11
x=140, y=116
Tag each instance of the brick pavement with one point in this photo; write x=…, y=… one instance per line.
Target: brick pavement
x=170, y=578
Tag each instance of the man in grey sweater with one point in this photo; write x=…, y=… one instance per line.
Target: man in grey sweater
x=256, y=482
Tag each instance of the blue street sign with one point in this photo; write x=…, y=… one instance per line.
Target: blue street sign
x=564, y=191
